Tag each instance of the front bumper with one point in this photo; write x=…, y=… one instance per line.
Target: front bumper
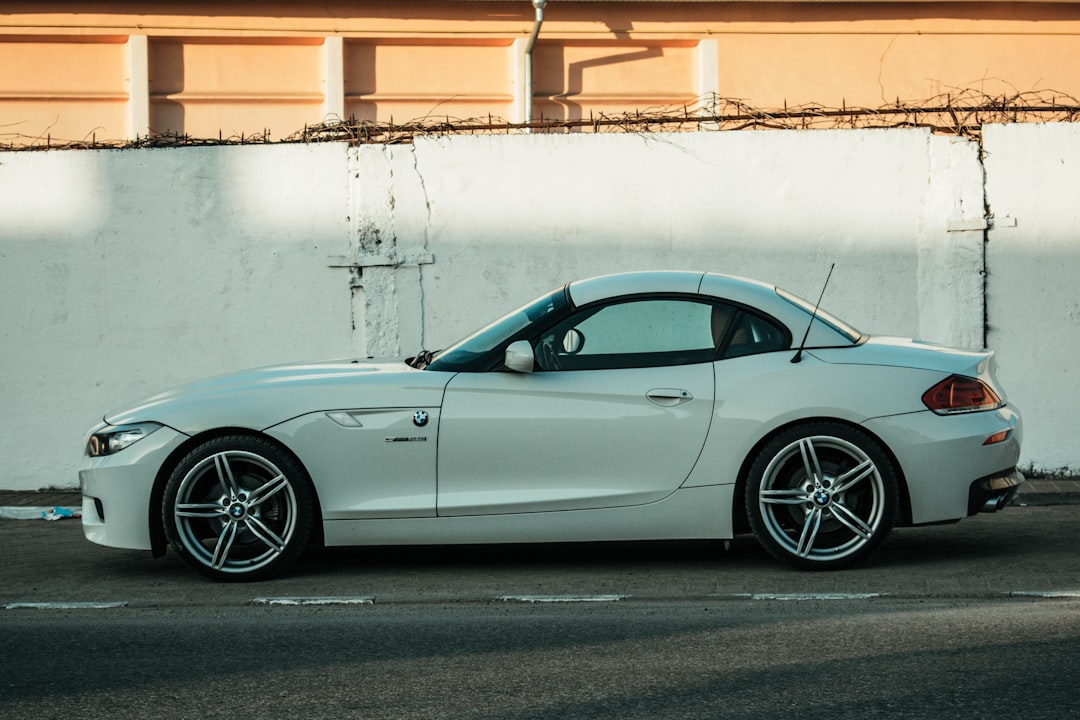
x=116, y=491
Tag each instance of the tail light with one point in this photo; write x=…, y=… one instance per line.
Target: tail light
x=959, y=394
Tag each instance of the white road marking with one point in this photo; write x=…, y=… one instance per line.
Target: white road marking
x=65, y=605
x=343, y=600
x=370, y=600
x=560, y=598
x=814, y=596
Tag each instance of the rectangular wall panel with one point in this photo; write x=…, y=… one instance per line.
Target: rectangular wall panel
x=575, y=81
x=212, y=87
x=63, y=88
x=434, y=79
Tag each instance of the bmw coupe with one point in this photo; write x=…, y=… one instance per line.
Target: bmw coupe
x=652, y=405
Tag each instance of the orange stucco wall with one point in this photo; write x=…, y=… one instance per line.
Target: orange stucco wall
x=71, y=70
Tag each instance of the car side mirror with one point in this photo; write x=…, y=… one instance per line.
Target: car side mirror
x=573, y=341
x=519, y=357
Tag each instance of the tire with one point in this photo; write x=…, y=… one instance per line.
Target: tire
x=822, y=496
x=238, y=508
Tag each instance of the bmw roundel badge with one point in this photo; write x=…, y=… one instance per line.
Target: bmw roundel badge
x=420, y=418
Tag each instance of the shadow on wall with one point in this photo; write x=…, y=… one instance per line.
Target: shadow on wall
x=554, y=96
x=166, y=79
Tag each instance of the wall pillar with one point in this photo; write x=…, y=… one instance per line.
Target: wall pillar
x=334, y=78
x=138, y=117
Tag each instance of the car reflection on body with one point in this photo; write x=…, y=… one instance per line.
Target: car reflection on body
x=653, y=405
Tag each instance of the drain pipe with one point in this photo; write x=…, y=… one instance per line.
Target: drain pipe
x=528, y=91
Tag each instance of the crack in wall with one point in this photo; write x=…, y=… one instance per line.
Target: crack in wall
x=427, y=225
x=984, y=271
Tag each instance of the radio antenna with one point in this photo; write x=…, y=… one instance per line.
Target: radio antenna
x=813, y=316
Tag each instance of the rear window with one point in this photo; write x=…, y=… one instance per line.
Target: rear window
x=828, y=318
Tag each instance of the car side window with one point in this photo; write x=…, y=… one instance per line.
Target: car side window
x=639, y=333
x=751, y=334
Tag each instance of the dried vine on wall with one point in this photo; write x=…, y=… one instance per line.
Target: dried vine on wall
x=962, y=113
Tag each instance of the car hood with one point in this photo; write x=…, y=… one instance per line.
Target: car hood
x=263, y=397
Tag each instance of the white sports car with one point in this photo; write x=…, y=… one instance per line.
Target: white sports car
x=626, y=407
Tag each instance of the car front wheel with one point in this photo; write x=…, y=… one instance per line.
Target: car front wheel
x=822, y=495
x=238, y=508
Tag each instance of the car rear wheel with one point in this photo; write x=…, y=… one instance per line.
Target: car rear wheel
x=822, y=495
x=238, y=508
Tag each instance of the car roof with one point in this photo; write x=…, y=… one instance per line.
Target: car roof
x=760, y=296
x=603, y=287
x=681, y=282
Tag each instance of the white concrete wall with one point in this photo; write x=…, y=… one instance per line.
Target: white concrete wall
x=125, y=271
x=1033, y=256
x=511, y=217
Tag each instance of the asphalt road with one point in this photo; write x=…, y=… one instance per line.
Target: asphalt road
x=1019, y=550
x=975, y=620
x=926, y=659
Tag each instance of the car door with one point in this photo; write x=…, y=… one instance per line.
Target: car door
x=615, y=414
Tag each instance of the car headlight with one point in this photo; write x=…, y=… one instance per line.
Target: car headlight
x=114, y=438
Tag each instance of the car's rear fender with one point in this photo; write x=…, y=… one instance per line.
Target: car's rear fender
x=739, y=519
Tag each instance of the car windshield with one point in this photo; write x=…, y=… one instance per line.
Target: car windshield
x=829, y=319
x=462, y=354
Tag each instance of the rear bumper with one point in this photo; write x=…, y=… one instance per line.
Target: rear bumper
x=947, y=462
x=990, y=494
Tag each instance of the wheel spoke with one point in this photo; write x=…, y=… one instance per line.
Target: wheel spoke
x=225, y=475
x=224, y=545
x=238, y=507
x=822, y=495
x=267, y=490
x=810, y=460
x=854, y=476
x=259, y=529
x=792, y=496
x=809, y=533
x=852, y=521
x=207, y=511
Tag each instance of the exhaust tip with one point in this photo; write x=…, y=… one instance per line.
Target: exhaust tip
x=997, y=503
x=994, y=492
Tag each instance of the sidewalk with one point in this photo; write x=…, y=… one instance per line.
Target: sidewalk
x=34, y=505
x=1041, y=491
x=1061, y=491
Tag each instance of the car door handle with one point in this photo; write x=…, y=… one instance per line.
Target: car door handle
x=669, y=397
